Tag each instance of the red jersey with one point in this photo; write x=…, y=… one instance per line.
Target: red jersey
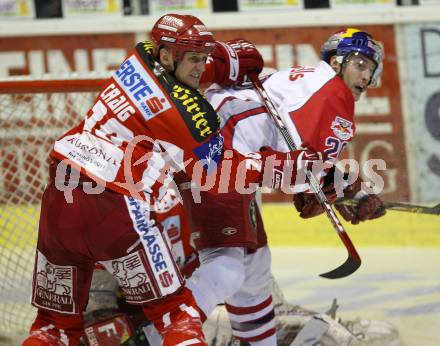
x=144, y=122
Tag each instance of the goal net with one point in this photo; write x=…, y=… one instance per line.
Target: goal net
x=32, y=115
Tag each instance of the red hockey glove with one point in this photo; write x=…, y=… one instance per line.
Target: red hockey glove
x=234, y=59
x=308, y=205
x=369, y=207
x=250, y=59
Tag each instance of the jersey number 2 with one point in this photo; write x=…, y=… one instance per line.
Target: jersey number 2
x=335, y=147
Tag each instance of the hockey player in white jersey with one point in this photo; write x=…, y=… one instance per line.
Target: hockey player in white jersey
x=317, y=106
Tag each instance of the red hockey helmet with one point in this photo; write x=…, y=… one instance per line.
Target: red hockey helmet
x=182, y=33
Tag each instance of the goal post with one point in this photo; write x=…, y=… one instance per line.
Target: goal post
x=33, y=114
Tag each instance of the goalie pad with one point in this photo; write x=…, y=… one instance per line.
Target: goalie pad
x=360, y=332
x=217, y=328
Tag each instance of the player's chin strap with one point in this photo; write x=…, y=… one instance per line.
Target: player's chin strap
x=175, y=65
x=353, y=261
x=159, y=70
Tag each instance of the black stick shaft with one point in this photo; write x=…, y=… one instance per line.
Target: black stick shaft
x=406, y=207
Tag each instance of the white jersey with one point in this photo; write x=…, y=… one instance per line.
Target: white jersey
x=315, y=105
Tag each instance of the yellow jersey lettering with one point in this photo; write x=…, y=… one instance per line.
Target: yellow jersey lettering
x=191, y=105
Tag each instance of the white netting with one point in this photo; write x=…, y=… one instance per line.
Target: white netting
x=29, y=124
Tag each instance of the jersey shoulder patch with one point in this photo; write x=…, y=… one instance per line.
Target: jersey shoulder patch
x=342, y=128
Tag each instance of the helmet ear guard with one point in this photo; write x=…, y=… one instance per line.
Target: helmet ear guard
x=349, y=41
x=181, y=33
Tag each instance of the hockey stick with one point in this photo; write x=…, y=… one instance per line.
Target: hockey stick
x=353, y=261
x=410, y=208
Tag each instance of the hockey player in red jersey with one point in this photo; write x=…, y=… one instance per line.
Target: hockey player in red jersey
x=107, y=308
x=147, y=121
x=317, y=105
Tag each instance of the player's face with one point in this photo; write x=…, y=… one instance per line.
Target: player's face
x=357, y=74
x=191, y=68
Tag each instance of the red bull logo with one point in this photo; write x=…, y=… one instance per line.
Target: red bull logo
x=343, y=129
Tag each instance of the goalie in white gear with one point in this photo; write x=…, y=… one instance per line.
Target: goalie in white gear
x=291, y=319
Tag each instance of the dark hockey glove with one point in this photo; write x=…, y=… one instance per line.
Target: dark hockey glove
x=234, y=60
x=370, y=205
x=307, y=204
